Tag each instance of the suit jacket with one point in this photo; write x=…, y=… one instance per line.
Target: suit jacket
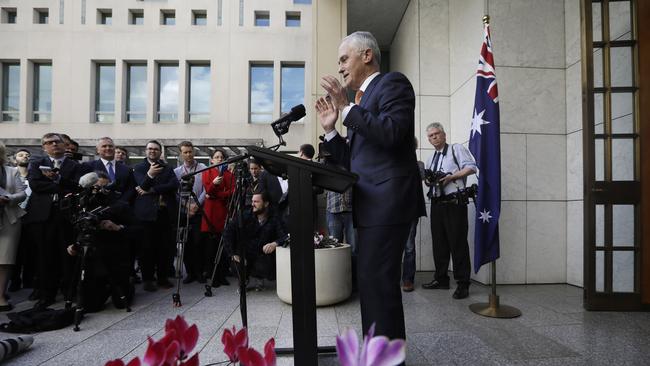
x=124, y=183
x=164, y=186
x=15, y=191
x=44, y=189
x=381, y=150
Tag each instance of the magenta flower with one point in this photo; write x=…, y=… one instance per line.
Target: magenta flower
x=234, y=341
x=118, y=362
x=376, y=351
x=250, y=357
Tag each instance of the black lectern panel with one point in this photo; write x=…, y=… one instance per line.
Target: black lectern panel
x=302, y=176
x=276, y=163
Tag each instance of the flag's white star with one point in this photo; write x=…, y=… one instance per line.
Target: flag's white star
x=485, y=216
x=477, y=121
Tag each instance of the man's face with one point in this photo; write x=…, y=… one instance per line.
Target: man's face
x=187, y=154
x=106, y=149
x=352, y=65
x=69, y=146
x=153, y=151
x=102, y=182
x=255, y=170
x=54, y=146
x=436, y=137
x=302, y=155
x=120, y=155
x=259, y=206
x=22, y=158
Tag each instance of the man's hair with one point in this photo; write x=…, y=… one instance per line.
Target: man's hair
x=64, y=137
x=363, y=41
x=22, y=149
x=75, y=143
x=265, y=195
x=185, y=144
x=253, y=161
x=308, y=150
x=123, y=149
x=104, y=139
x=436, y=125
x=102, y=174
x=155, y=142
x=50, y=135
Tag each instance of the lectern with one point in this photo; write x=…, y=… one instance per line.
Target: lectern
x=302, y=176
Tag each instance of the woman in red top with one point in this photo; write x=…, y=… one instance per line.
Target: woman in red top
x=219, y=184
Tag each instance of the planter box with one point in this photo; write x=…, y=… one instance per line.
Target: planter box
x=333, y=274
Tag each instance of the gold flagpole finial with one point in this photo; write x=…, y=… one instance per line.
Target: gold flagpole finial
x=486, y=19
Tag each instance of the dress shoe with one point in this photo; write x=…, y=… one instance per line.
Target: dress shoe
x=407, y=286
x=42, y=304
x=436, y=285
x=461, y=292
x=189, y=279
x=201, y=279
x=224, y=281
x=149, y=286
x=165, y=284
x=6, y=307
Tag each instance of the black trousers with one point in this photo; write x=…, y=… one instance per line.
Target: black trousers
x=211, y=247
x=24, y=271
x=449, y=234
x=194, y=248
x=55, y=266
x=379, y=269
x=157, y=248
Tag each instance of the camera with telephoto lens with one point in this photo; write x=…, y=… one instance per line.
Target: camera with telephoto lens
x=432, y=178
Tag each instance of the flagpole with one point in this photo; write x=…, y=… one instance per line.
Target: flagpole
x=492, y=308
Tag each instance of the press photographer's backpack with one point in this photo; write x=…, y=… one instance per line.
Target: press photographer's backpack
x=37, y=320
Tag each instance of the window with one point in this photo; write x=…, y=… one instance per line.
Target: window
x=105, y=93
x=199, y=17
x=136, y=94
x=42, y=106
x=167, y=93
x=136, y=16
x=41, y=16
x=10, y=91
x=292, y=19
x=168, y=17
x=199, y=95
x=105, y=16
x=292, y=87
x=8, y=15
x=261, y=93
x=302, y=1
x=262, y=19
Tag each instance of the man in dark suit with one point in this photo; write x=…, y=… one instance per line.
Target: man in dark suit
x=388, y=195
x=51, y=178
x=155, y=207
x=263, y=181
x=120, y=175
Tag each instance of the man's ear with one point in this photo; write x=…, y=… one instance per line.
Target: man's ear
x=367, y=56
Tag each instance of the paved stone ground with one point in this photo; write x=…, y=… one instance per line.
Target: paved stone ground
x=554, y=328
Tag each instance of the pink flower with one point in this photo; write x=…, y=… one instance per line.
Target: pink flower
x=234, y=341
x=376, y=351
x=118, y=362
x=179, y=340
x=250, y=357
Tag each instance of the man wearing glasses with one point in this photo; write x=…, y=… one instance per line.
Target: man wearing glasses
x=51, y=178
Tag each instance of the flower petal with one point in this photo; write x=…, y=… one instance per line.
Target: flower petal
x=393, y=354
x=117, y=362
x=374, y=349
x=250, y=357
x=269, y=352
x=241, y=338
x=366, y=339
x=193, y=361
x=347, y=348
x=180, y=324
x=154, y=354
x=134, y=362
x=189, y=339
x=172, y=353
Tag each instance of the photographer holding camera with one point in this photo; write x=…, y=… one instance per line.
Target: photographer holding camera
x=445, y=174
x=103, y=222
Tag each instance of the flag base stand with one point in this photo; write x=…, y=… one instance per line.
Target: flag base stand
x=493, y=309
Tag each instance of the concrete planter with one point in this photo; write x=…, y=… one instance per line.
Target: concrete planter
x=333, y=274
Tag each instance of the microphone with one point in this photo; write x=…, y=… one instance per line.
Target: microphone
x=88, y=180
x=281, y=126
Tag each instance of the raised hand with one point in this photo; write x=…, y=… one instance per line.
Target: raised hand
x=327, y=113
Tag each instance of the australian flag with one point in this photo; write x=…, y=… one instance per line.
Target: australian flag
x=485, y=146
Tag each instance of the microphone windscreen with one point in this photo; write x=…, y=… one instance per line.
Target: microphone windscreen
x=298, y=112
x=88, y=180
x=10, y=347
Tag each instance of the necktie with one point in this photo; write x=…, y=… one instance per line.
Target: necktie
x=358, y=96
x=111, y=171
x=57, y=164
